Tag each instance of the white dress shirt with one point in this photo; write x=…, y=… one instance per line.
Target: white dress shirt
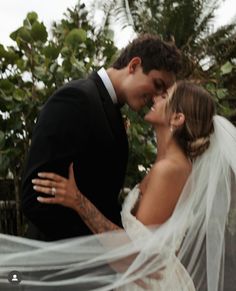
x=108, y=84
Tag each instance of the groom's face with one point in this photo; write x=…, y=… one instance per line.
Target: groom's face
x=140, y=88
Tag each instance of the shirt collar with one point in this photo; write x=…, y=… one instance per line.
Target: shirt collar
x=108, y=84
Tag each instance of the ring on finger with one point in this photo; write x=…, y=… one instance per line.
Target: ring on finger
x=53, y=191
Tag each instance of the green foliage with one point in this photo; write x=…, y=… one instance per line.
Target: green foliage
x=142, y=151
x=39, y=32
x=75, y=37
x=219, y=88
x=31, y=17
x=226, y=68
x=51, y=51
x=35, y=67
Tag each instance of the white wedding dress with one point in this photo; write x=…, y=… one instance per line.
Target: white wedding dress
x=170, y=280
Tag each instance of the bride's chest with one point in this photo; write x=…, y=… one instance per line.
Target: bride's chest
x=142, y=189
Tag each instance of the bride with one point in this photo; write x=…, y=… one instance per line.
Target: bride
x=175, y=221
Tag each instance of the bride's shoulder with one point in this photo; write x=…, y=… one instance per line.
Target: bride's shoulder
x=162, y=192
x=165, y=166
x=169, y=169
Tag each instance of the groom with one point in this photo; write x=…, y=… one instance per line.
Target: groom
x=81, y=123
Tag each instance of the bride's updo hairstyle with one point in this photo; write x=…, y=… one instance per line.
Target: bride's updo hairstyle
x=198, y=107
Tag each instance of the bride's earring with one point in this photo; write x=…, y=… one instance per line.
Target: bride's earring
x=171, y=128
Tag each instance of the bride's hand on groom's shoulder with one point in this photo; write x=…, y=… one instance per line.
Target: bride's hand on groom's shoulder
x=60, y=190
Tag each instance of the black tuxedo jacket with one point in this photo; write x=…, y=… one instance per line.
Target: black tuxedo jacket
x=78, y=124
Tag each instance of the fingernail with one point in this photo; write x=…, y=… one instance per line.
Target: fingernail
x=39, y=198
x=35, y=187
x=33, y=180
x=40, y=174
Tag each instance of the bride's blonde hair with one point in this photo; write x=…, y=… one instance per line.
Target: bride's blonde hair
x=198, y=107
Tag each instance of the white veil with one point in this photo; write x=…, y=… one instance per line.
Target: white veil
x=201, y=234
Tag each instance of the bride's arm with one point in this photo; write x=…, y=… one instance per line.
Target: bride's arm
x=93, y=218
x=164, y=186
x=66, y=193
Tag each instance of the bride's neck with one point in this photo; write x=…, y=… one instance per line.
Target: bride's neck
x=166, y=144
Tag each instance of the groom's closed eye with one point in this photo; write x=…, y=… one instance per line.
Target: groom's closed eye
x=160, y=86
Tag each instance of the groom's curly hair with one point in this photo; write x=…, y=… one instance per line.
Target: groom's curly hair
x=155, y=54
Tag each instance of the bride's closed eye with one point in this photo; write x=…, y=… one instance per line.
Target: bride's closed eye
x=164, y=95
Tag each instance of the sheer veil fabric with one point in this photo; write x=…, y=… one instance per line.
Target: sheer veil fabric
x=201, y=234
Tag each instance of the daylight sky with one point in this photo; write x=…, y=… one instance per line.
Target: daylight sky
x=13, y=12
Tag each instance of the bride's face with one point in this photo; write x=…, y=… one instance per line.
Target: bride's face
x=158, y=114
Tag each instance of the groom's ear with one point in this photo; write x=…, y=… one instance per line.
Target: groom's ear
x=133, y=64
x=177, y=119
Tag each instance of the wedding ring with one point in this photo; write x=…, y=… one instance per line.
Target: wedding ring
x=53, y=191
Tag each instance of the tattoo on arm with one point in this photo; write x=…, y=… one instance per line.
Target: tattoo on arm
x=93, y=218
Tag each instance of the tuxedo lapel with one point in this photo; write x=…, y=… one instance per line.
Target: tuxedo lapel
x=112, y=111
